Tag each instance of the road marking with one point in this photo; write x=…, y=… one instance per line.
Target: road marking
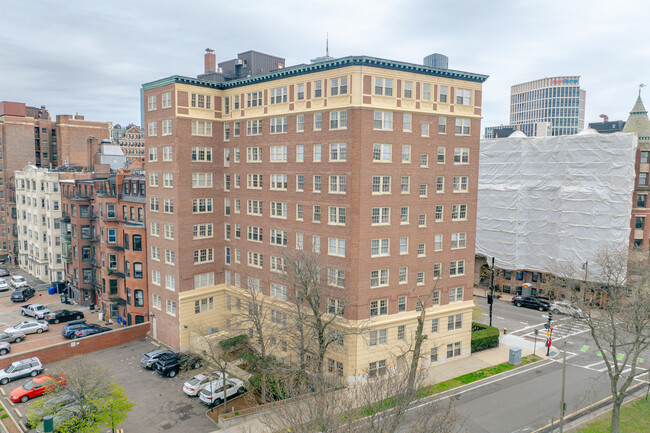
x=499, y=317
x=595, y=363
x=584, y=348
x=601, y=352
x=620, y=356
x=639, y=360
x=524, y=323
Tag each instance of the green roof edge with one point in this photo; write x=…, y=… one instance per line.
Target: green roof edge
x=321, y=66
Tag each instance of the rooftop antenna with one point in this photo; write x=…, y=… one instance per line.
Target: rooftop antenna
x=640, y=87
x=327, y=47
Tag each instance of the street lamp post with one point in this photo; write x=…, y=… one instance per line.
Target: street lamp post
x=491, y=290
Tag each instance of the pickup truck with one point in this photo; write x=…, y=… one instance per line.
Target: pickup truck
x=37, y=311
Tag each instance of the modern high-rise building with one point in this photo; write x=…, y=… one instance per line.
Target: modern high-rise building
x=558, y=100
x=370, y=163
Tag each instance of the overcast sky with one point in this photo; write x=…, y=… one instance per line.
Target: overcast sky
x=92, y=57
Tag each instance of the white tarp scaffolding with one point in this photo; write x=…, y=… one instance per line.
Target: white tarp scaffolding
x=550, y=203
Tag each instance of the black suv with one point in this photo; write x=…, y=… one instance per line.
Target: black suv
x=22, y=294
x=169, y=364
x=531, y=302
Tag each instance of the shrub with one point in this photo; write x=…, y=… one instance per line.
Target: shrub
x=4, y=415
x=233, y=342
x=274, y=386
x=484, y=337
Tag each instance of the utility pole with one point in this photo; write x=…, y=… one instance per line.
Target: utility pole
x=491, y=297
x=586, y=283
x=563, y=382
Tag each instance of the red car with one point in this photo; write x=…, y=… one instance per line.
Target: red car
x=36, y=387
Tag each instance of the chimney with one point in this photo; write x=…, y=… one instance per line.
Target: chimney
x=210, y=61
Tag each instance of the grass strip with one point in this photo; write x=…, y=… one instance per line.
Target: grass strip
x=635, y=417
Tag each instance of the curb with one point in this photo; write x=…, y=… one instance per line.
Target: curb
x=16, y=423
x=572, y=417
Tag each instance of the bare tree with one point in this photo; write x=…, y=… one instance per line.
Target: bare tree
x=616, y=311
x=216, y=348
x=318, y=312
x=379, y=404
x=424, y=299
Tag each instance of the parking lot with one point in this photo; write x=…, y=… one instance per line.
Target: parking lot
x=10, y=315
x=160, y=404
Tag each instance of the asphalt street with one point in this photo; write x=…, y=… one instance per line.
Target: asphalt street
x=528, y=398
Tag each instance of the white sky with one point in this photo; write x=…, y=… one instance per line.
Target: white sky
x=92, y=57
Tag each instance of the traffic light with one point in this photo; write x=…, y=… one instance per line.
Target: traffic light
x=490, y=300
x=550, y=316
x=546, y=325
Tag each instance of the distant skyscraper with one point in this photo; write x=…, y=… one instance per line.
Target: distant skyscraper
x=558, y=100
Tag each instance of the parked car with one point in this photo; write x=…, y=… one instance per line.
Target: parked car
x=36, y=387
x=150, y=359
x=30, y=327
x=73, y=326
x=170, y=364
x=215, y=396
x=531, y=302
x=59, y=316
x=193, y=386
x=564, y=307
x=23, y=294
x=52, y=405
x=12, y=337
x=4, y=287
x=37, y=311
x=18, y=281
x=4, y=348
x=23, y=368
x=88, y=331
x=4, y=272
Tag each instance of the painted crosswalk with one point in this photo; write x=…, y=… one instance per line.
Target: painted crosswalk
x=561, y=330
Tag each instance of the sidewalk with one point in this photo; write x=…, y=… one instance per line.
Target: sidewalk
x=438, y=373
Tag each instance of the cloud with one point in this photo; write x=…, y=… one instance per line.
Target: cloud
x=92, y=57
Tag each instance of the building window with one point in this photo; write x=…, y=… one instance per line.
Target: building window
x=278, y=154
x=339, y=86
x=300, y=92
x=300, y=123
x=461, y=155
x=338, y=120
x=171, y=307
x=318, y=89
x=380, y=216
x=253, y=99
x=336, y=277
x=407, y=122
x=463, y=97
x=456, y=295
x=379, y=308
x=253, y=127
x=300, y=153
x=453, y=350
x=377, y=337
x=151, y=103
x=167, y=127
x=462, y=126
x=278, y=96
x=643, y=178
x=381, y=184
x=205, y=255
x=457, y=268
x=336, y=247
x=137, y=270
x=458, y=240
x=278, y=125
x=338, y=152
x=454, y=322
x=639, y=223
x=336, y=215
x=377, y=368
x=641, y=200
x=443, y=94
x=278, y=209
x=378, y=278
x=458, y=212
x=383, y=121
x=152, y=130
x=381, y=152
x=201, y=154
x=383, y=86
x=337, y=184
x=203, y=128
x=460, y=184
x=137, y=243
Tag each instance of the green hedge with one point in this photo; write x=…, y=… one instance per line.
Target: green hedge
x=274, y=386
x=233, y=342
x=484, y=337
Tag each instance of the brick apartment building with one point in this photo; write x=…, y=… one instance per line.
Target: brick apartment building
x=372, y=163
x=104, y=240
x=132, y=143
x=29, y=136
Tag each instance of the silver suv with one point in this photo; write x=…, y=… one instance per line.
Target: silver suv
x=24, y=367
x=12, y=337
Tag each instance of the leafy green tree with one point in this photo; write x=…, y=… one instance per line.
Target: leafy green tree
x=116, y=408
